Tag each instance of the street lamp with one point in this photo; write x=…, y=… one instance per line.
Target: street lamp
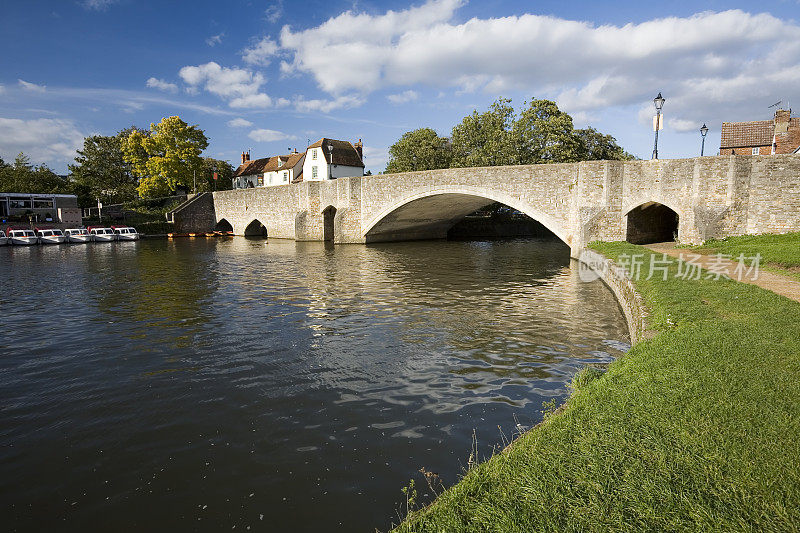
x=703, y=132
x=659, y=103
x=330, y=152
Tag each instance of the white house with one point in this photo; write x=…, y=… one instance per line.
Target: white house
x=326, y=159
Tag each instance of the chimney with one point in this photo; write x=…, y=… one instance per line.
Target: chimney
x=244, y=158
x=782, y=121
x=360, y=149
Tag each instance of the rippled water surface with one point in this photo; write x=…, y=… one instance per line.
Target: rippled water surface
x=281, y=386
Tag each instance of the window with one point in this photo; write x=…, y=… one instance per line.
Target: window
x=20, y=203
x=261, y=181
x=313, y=154
x=756, y=150
x=42, y=204
x=285, y=176
x=314, y=171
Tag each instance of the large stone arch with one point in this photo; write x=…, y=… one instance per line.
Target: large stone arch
x=635, y=207
x=465, y=200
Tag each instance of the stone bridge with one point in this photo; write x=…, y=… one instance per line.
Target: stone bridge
x=640, y=201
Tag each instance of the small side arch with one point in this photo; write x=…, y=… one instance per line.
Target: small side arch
x=328, y=225
x=255, y=229
x=224, y=226
x=651, y=222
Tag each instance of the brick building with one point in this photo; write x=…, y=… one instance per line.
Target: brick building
x=781, y=135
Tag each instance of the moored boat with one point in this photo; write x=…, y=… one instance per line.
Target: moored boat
x=125, y=233
x=78, y=235
x=3, y=238
x=100, y=234
x=50, y=236
x=22, y=237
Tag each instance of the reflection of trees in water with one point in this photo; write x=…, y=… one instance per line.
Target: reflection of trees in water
x=154, y=288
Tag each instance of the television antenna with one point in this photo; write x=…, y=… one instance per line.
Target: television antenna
x=776, y=104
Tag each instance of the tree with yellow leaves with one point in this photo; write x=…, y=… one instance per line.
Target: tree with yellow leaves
x=167, y=157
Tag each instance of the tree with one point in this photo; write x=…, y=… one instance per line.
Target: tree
x=544, y=134
x=205, y=178
x=485, y=139
x=421, y=149
x=102, y=172
x=23, y=177
x=166, y=158
x=595, y=146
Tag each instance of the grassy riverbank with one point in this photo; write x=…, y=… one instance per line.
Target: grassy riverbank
x=779, y=253
x=697, y=428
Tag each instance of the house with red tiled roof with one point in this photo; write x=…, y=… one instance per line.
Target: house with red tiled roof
x=326, y=159
x=781, y=135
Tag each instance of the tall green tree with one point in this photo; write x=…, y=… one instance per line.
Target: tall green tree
x=421, y=149
x=101, y=172
x=596, y=146
x=166, y=158
x=486, y=139
x=205, y=178
x=23, y=177
x=544, y=134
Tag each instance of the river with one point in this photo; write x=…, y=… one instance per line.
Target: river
x=219, y=384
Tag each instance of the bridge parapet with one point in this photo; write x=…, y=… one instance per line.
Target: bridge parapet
x=579, y=202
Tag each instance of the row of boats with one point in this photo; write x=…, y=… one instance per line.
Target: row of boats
x=28, y=237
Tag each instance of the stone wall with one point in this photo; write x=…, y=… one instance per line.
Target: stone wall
x=713, y=196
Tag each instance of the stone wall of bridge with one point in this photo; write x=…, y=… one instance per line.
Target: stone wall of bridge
x=579, y=202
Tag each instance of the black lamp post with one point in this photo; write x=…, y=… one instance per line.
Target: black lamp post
x=703, y=132
x=330, y=152
x=659, y=103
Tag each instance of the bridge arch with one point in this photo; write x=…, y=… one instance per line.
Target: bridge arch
x=223, y=225
x=255, y=229
x=328, y=223
x=429, y=214
x=650, y=222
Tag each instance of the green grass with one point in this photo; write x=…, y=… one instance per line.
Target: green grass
x=696, y=429
x=779, y=253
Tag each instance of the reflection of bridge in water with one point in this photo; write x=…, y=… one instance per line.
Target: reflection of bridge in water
x=640, y=201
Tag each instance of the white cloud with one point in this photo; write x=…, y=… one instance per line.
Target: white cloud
x=215, y=39
x=274, y=12
x=161, y=85
x=43, y=139
x=261, y=53
x=326, y=106
x=239, y=86
x=706, y=64
x=376, y=158
x=2, y=89
x=239, y=123
x=404, y=97
x=262, y=135
x=98, y=5
x=32, y=87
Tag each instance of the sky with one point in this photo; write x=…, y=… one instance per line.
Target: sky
x=270, y=76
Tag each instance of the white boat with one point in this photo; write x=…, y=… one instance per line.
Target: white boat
x=22, y=237
x=3, y=238
x=78, y=235
x=51, y=236
x=102, y=234
x=125, y=233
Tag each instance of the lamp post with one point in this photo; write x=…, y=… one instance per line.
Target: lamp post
x=330, y=167
x=659, y=103
x=703, y=132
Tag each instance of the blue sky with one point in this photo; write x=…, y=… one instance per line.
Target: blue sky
x=268, y=76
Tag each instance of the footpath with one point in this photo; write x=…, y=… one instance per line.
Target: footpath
x=765, y=279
